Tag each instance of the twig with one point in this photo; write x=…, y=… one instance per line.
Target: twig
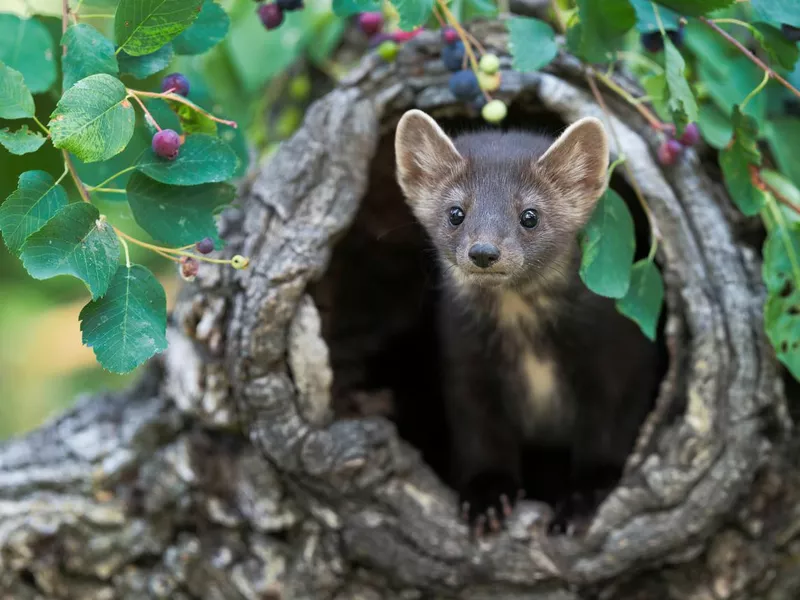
x=758, y=182
x=78, y=183
x=752, y=57
x=654, y=234
x=654, y=121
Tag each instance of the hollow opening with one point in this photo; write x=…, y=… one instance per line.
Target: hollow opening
x=378, y=302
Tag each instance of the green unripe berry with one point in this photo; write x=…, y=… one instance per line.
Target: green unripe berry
x=300, y=87
x=494, y=111
x=488, y=82
x=489, y=64
x=388, y=50
x=239, y=262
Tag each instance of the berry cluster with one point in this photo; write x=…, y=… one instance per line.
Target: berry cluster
x=271, y=13
x=653, y=42
x=671, y=149
x=189, y=266
x=467, y=85
x=371, y=24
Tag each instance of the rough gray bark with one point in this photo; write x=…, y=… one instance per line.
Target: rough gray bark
x=224, y=473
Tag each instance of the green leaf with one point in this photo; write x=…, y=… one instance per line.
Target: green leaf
x=646, y=21
x=479, y=8
x=781, y=272
x=128, y=325
x=608, y=245
x=74, y=242
x=177, y=215
x=143, y=66
x=346, y=8
x=21, y=141
x=16, y=101
x=206, y=32
x=191, y=120
x=782, y=135
x=27, y=46
x=202, y=159
x=777, y=12
x=681, y=102
x=601, y=29
x=714, y=125
x=93, y=120
x=695, y=8
x=34, y=202
x=736, y=161
x=143, y=26
x=412, y=12
x=780, y=50
x=531, y=42
x=782, y=185
x=645, y=297
x=88, y=52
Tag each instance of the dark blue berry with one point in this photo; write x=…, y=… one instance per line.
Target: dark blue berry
x=464, y=85
x=177, y=83
x=453, y=56
x=791, y=33
x=677, y=35
x=205, y=245
x=290, y=4
x=652, y=42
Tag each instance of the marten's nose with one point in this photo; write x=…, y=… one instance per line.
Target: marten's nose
x=484, y=255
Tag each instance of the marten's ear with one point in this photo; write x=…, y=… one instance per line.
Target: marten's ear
x=424, y=154
x=576, y=165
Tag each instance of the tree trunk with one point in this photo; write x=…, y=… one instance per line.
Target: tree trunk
x=259, y=457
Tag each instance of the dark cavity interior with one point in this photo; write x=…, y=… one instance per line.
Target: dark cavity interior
x=378, y=300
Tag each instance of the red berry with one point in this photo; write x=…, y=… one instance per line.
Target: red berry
x=449, y=35
x=205, y=245
x=177, y=83
x=166, y=144
x=691, y=135
x=271, y=15
x=189, y=268
x=370, y=22
x=404, y=36
x=669, y=151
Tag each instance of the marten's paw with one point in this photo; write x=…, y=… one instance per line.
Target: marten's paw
x=488, y=499
x=572, y=515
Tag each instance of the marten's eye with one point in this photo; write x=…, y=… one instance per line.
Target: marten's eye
x=529, y=218
x=456, y=216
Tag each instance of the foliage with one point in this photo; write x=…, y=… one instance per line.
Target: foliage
x=701, y=63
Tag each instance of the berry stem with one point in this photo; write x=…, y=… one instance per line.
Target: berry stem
x=654, y=234
x=108, y=190
x=41, y=125
x=451, y=19
x=127, y=252
x=149, y=117
x=95, y=188
x=170, y=253
x=750, y=56
x=181, y=100
x=755, y=91
x=654, y=122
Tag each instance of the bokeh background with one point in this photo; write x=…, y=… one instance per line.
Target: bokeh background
x=262, y=79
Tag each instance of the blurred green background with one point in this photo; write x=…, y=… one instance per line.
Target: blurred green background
x=257, y=77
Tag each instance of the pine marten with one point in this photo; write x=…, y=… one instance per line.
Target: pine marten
x=530, y=355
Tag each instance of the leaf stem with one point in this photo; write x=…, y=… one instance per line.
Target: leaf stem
x=108, y=190
x=64, y=174
x=180, y=99
x=127, y=252
x=755, y=91
x=560, y=23
x=636, y=103
x=148, y=117
x=752, y=57
x=41, y=125
x=94, y=188
x=64, y=23
x=613, y=166
x=654, y=234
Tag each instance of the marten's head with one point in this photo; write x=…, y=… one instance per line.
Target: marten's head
x=503, y=209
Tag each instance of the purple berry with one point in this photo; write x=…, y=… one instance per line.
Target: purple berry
x=177, y=83
x=289, y=4
x=205, y=245
x=189, y=267
x=403, y=36
x=791, y=33
x=271, y=15
x=464, y=85
x=669, y=151
x=652, y=42
x=691, y=135
x=370, y=22
x=377, y=39
x=453, y=56
x=166, y=144
x=449, y=35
